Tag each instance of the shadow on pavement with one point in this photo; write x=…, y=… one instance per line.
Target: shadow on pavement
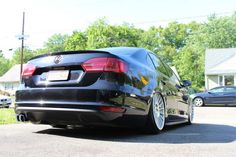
x=196, y=133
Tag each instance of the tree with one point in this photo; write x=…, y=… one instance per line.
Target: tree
x=189, y=64
x=41, y=51
x=56, y=43
x=98, y=34
x=4, y=63
x=16, y=58
x=150, y=39
x=77, y=41
x=220, y=32
x=168, y=41
x=101, y=34
x=216, y=33
x=125, y=35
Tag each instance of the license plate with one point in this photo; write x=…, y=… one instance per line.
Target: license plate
x=58, y=75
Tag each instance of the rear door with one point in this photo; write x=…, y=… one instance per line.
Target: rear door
x=181, y=94
x=169, y=90
x=230, y=95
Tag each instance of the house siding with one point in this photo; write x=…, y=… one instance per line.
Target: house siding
x=10, y=81
x=220, y=65
x=212, y=81
x=10, y=87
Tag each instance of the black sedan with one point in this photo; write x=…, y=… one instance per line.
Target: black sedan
x=224, y=95
x=126, y=87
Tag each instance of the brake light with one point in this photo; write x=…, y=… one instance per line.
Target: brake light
x=28, y=70
x=112, y=109
x=105, y=65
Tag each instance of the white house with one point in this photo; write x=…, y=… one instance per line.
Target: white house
x=220, y=67
x=10, y=81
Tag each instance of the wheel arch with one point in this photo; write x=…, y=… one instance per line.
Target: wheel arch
x=163, y=98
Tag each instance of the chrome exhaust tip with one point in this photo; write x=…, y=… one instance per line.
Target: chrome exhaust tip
x=21, y=117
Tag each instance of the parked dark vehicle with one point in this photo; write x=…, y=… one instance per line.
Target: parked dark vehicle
x=224, y=95
x=126, y=87
x=5, y=101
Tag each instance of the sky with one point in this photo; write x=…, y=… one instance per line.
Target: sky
x=43, y=18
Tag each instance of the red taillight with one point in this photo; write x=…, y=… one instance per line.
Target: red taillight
x=28, y=70
x=105, y=64
x=112, y=109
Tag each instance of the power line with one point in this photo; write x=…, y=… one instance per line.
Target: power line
x=183, y=18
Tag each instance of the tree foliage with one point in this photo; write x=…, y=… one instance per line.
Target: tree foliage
x=77, y=41
x=101, y=34
x=56, y=43
x=216, y=33
x=167, y=42
x=16, y=58
x=4, y=63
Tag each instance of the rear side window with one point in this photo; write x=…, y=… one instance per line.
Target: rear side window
x=169, y=71
x=165, y=69
x=175, y=79
x=172, y=75
x=158, y=64
x=155, y=60
x=217, y=90
x=150, y=62
x=230, y=89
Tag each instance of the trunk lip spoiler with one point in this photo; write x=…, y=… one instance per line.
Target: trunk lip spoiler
x=69, y=53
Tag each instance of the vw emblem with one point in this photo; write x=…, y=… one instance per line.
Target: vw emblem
x=57, y=59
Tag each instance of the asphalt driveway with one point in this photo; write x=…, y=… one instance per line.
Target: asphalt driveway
x=212, y=134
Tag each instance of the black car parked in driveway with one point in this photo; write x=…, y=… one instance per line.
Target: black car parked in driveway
x=128, y=87
x=223, y=95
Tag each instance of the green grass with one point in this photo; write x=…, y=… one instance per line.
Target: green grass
x=7, y=116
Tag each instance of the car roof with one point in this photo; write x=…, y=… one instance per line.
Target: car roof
x=230, y=86
x=224, y=87
x=132, y=52
x=123, y=50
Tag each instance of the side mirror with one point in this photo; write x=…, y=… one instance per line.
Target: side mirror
x=186, y=83
x=209, y=92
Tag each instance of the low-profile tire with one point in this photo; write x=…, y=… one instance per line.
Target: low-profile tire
x=190, y=114
x=156, y=115
x=198, y=102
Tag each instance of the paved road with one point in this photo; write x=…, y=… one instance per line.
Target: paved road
x=212, y=134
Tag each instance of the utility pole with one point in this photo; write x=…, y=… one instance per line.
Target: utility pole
x=22, y=38
x=22, y=47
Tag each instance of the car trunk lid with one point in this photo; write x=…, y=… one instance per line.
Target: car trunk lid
x=62, y=69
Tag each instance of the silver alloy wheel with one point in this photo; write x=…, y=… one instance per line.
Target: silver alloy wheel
x=198, y=102
x=158, y=111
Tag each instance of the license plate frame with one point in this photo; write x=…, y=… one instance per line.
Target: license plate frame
x=57, y=75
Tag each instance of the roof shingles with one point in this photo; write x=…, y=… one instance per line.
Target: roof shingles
x=220, y=61
x=12, y=75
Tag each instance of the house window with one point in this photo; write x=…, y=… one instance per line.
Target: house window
x=229, y=80
x=225, y=80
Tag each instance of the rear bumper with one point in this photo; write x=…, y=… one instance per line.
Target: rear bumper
x=76, y=106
